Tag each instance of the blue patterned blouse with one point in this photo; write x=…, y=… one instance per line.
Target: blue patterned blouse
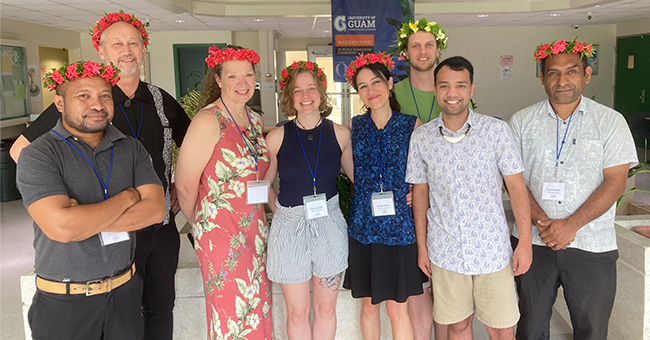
x=363, y=227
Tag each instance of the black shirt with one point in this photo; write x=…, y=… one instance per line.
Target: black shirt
x=151, y=133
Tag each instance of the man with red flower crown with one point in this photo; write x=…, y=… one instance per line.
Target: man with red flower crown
x=152, y=116
x=576, y=155
x=88, y=187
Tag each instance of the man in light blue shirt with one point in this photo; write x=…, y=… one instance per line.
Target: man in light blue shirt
x=457, y=165
x=576, y=154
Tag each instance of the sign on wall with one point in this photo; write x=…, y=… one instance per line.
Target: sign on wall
x=361, y=27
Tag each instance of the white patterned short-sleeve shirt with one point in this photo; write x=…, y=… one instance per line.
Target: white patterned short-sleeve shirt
x=467, y=229
x=597, y=138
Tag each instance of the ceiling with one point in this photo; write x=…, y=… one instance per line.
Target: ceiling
x=173, y=15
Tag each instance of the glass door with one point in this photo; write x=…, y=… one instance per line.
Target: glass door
x=345, y=100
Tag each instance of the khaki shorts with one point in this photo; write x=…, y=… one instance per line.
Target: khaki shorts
x=456, y=295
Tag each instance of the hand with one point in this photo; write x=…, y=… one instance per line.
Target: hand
x=173, y=198
x=423, y=262
x=522, y=258
x=558, y=234
x=542, y=224
x=409, y=196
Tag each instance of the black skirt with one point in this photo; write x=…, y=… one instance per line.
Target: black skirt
x=383, y=272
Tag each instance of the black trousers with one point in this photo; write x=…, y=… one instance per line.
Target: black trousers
x=111, y=316
x=156, y=259
x=589, y=282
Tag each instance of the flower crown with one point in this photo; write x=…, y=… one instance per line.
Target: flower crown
x=68, y=72
x=311, y=66
x=112, y=18
x=421, y=25
x=367, y=59
x=562, y=46
x=216, y=56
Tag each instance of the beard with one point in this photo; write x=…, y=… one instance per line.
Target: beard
x=129, y=71
x=82, y=126
x=426, y=68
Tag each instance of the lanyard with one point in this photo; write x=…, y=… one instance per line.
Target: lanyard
x=110, y=168
x=254, y=154
x=374, y=152
x=558, y=146
x=136, y=136
x=313, y=173
x=416, y=103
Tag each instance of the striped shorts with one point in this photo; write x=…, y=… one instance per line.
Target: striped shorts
x=299, y=248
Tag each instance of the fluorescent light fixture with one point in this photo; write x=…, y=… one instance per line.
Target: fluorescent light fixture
x=482, y=15
x=258, y=20
x=179, y=21
x=555, y=14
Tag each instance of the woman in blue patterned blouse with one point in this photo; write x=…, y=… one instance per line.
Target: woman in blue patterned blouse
x=383, y=250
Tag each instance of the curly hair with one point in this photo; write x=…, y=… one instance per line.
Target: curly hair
x=383, y=73
x=211, y=90
x=286, y=98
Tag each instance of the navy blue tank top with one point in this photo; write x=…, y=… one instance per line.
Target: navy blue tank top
x=295, y=178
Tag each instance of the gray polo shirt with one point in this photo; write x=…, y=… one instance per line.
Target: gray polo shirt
x=50, y=166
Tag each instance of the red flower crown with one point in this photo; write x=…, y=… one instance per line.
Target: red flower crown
x=311, y=66
x=112, y=18
x=562, y=46
x=68, y=72
x=216, y=56
x=367, y=59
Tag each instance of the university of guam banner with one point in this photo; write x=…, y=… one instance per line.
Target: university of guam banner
x=367, y=26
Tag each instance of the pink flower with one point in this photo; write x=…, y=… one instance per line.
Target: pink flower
x=578, y=47
x=309, y=65
x=282, y=84
x=91, y=69
x=324, y=82
x=71, y=71
x=559, y=46
x=588, y=48
x=295, y=64
x=57, y=77
x=213, y=49
x=285, y=73
x=320, y=72
x=401, y=57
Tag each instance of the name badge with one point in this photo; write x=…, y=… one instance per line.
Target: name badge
x=315, y=206
x=108, y=237
x=257, y=192
x=383, y=203
x=553, y=191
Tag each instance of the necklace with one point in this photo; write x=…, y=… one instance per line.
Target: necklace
x=310, y=136
x=455, y=139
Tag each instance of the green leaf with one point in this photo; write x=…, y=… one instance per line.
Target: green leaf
x=254, y=303
x=224, y=173
x=233, y=328
x=260, y=245
x=241, y=285
x=241, y=308
x=222, y=203
x=228, y=155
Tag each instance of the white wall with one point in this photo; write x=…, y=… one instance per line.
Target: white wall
x=483, y=46
x=641, y=26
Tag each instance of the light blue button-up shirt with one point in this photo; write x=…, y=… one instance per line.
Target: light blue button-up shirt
x=467, y=229
x=598, y=137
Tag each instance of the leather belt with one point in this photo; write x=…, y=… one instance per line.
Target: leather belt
x=92, y=287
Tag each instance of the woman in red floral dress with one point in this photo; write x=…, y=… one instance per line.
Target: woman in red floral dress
x=219, y=164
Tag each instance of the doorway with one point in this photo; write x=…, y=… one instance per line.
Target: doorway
x=49, y=58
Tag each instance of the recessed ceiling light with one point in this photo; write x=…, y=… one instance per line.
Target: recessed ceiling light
x=258, y=20
x=179, y=21
x=482, y=15
x=597, y=6
x=555, y=14
x=326, y=31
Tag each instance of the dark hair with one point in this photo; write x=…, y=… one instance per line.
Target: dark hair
x=286, y=97
x=382, y=72
x=584, y=60
x=211, y=90
x=456, y=63
x=61, y=89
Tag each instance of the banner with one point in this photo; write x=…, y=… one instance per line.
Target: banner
x=362, y=27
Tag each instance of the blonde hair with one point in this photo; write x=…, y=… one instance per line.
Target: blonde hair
x=286, y=98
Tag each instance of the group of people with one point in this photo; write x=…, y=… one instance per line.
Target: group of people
x=426, y=212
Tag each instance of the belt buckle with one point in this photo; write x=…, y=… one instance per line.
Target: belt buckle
x=88, y=289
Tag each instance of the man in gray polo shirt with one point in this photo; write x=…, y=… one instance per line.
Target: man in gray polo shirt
x=87, y=187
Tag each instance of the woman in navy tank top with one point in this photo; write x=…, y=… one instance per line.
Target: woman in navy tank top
x=308, y=238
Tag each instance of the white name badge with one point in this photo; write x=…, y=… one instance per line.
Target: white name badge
x=553, y=191
x=383, y=203
x=108, y=237
x=315, y=206
x=257, y=192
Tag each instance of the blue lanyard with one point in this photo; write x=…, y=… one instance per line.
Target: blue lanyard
x=374, y=152
x=558, y=146
x=110, y=168
x=254, y=154
x=313, y=173
x=136, y=136
x=416, y=103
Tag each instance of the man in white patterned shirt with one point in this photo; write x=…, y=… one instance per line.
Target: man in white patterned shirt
x=457, y=165
x=576, y=153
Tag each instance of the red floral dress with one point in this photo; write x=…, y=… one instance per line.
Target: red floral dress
x=230, y=236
